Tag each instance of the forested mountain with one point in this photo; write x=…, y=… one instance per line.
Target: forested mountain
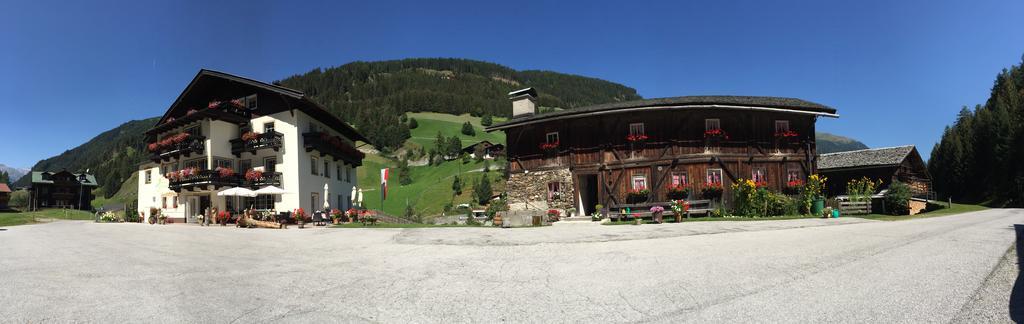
x=981, y=156
x=372, y=95
x=112, y=156
x=831, y=143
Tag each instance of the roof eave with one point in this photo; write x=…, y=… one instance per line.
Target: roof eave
x=514, y=123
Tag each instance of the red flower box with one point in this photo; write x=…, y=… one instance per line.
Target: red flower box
x=249, y=136
x=636, y=137
x=786, y=134
x=253, y=175
x=716, y=133
x=549, y=146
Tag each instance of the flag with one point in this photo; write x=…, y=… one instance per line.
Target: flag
x=383, y=184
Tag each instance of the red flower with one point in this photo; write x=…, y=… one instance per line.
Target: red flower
x=787, y=133
x=238, y=103
x=795, y=183
x=253, y=175
x=718, y=132
x=636, y=137
x=760, y=184
x=549, y=146
x=248, y=136
x=213, y=104
x=153, y=147
x=225, y=172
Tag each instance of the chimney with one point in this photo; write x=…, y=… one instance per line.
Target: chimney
x=524, y=102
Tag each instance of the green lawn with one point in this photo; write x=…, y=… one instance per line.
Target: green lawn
x=450, y=125
x=955, y=209
x=11, y=219
x=431, y=188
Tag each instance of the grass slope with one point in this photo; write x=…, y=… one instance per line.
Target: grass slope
x=432, y=185
x=450, y=125
x=955, y=209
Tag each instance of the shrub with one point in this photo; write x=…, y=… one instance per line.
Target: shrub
x=413, y=124
x=897, y=199
x=811, y=191
x=753, y=200
x=467, y=129
x=553, y=215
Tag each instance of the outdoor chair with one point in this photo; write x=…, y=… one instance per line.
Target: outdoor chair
x=319, y=219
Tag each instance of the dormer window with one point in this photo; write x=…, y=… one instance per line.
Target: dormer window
x=552, y=138
x=250, y=102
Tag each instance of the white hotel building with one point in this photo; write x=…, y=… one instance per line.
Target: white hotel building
x=226, y=131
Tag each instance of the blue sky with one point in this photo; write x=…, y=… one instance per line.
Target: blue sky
x=897, y=71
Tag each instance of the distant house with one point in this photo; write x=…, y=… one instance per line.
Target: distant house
x=5, y=195
x=901, y=163
x=61, y=190
x=490, y=150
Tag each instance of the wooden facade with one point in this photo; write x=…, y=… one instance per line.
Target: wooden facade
x=606, y=166
x=902, y=163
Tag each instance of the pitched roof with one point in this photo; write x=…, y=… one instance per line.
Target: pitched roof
x=686, y=102
x=4, y=188
x=37, y=177
x=305, y=104
x=885, y=156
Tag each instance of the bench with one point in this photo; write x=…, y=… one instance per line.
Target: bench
x=319, y=218
x=643, y=210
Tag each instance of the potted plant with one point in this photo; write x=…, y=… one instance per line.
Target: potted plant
x=570, y=212
x=713, y=191
x=637, y=219
x=813, y=199
x=223, y=217
x=250, y=136
x=677, y=192
x=679, y=208
x=553, y=215
x=637, y=196
x=161, y=218
x=599, y=212
x=353, y=215
x=336, y=216
x=300, y=217
x=368, y=217
x=656, y=212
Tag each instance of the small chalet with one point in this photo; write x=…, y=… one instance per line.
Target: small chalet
x=61, y=190
x=489, y=149
x=638, y=153
x=5, y=195
x=901, y=163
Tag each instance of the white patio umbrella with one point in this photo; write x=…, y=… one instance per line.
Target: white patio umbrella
x=355, y=196
x=270, y=190
x=327, y=204
x=237, y=192
x=360, y=197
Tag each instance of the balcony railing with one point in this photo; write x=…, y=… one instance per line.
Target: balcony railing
x=192, y=145
x=333, y=146
x=266, y=179
x=203, y=179
x=270, y=140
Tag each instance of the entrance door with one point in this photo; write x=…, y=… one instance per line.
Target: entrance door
x=588, y=192
x=204, y=203
x=313, y=202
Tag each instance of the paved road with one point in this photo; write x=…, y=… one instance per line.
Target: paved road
x=922, y=270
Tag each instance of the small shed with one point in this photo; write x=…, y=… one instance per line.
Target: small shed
x=901, y=163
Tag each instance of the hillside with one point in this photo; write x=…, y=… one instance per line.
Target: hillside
x=372, y=94
x=831, y=143
x=112, y=156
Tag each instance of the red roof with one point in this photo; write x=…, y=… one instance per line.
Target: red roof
x=4, y=188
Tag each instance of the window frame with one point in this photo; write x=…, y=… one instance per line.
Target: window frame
x=314, y=163
x=554, y=190
x=763, y=174
x=547, y=138
x=270, y=167
x=637, y=129
x=327, y=169
x=782, y=122
x=680, y=178
x=721, y=175
x=643, y=180
x=794, y=171
x=149, y=176
x=712, y=123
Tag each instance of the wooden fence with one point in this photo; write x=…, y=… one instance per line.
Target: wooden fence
x=854, y=207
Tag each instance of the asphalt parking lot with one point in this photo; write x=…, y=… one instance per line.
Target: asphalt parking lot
x=811, y=270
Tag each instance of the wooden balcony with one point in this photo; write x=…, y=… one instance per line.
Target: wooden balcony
x=271, y=140
x=332, y=146
x=204, y=180
x=193, y=145
x=267, y=179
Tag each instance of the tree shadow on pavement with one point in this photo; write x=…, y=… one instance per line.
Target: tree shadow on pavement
x=1017, y=294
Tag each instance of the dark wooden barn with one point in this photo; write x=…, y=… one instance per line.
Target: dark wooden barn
x=612, y=153
x=901, y=163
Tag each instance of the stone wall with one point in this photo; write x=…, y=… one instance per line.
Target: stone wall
x=529, y=191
